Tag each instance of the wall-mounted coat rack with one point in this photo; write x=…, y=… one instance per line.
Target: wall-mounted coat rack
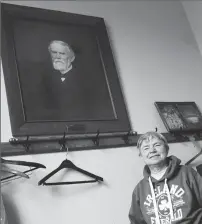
x=50, y=144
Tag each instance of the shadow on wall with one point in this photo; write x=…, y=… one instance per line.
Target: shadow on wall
x=11, y=210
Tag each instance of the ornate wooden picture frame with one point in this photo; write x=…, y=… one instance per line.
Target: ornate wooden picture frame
x=42, y=101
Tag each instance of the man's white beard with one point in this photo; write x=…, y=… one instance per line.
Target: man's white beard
x=60, y=65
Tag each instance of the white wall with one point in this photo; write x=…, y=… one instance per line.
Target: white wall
x=158, y=59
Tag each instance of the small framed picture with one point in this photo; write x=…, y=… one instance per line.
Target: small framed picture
x=180, y=116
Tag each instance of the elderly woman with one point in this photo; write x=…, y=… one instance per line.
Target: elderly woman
x=169, y=192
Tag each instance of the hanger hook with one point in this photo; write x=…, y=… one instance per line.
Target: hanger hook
x=67, y=152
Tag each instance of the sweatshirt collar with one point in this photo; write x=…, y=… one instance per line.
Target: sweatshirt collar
x=173, y=166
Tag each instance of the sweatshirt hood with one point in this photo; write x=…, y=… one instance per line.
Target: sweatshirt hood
x=173, y=166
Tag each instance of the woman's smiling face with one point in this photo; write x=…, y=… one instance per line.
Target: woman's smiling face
x=153, y=151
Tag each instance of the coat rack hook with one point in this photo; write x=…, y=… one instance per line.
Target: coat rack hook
x=126, y=137
x=96, y=139
x=27, y=144
x=62, y=142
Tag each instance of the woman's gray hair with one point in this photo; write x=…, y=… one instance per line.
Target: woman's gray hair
x=152, y=134
x=71, y=53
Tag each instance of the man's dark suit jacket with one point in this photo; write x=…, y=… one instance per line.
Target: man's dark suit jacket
x=83, y=95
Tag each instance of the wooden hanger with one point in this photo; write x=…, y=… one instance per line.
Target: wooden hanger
x=69, y=164
x=20, y=163
x=13, y=171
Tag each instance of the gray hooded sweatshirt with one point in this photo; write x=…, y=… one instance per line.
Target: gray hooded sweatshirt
x=174, y=199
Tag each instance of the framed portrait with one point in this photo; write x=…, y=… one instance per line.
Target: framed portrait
x=180, y=116
x=59, y=73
